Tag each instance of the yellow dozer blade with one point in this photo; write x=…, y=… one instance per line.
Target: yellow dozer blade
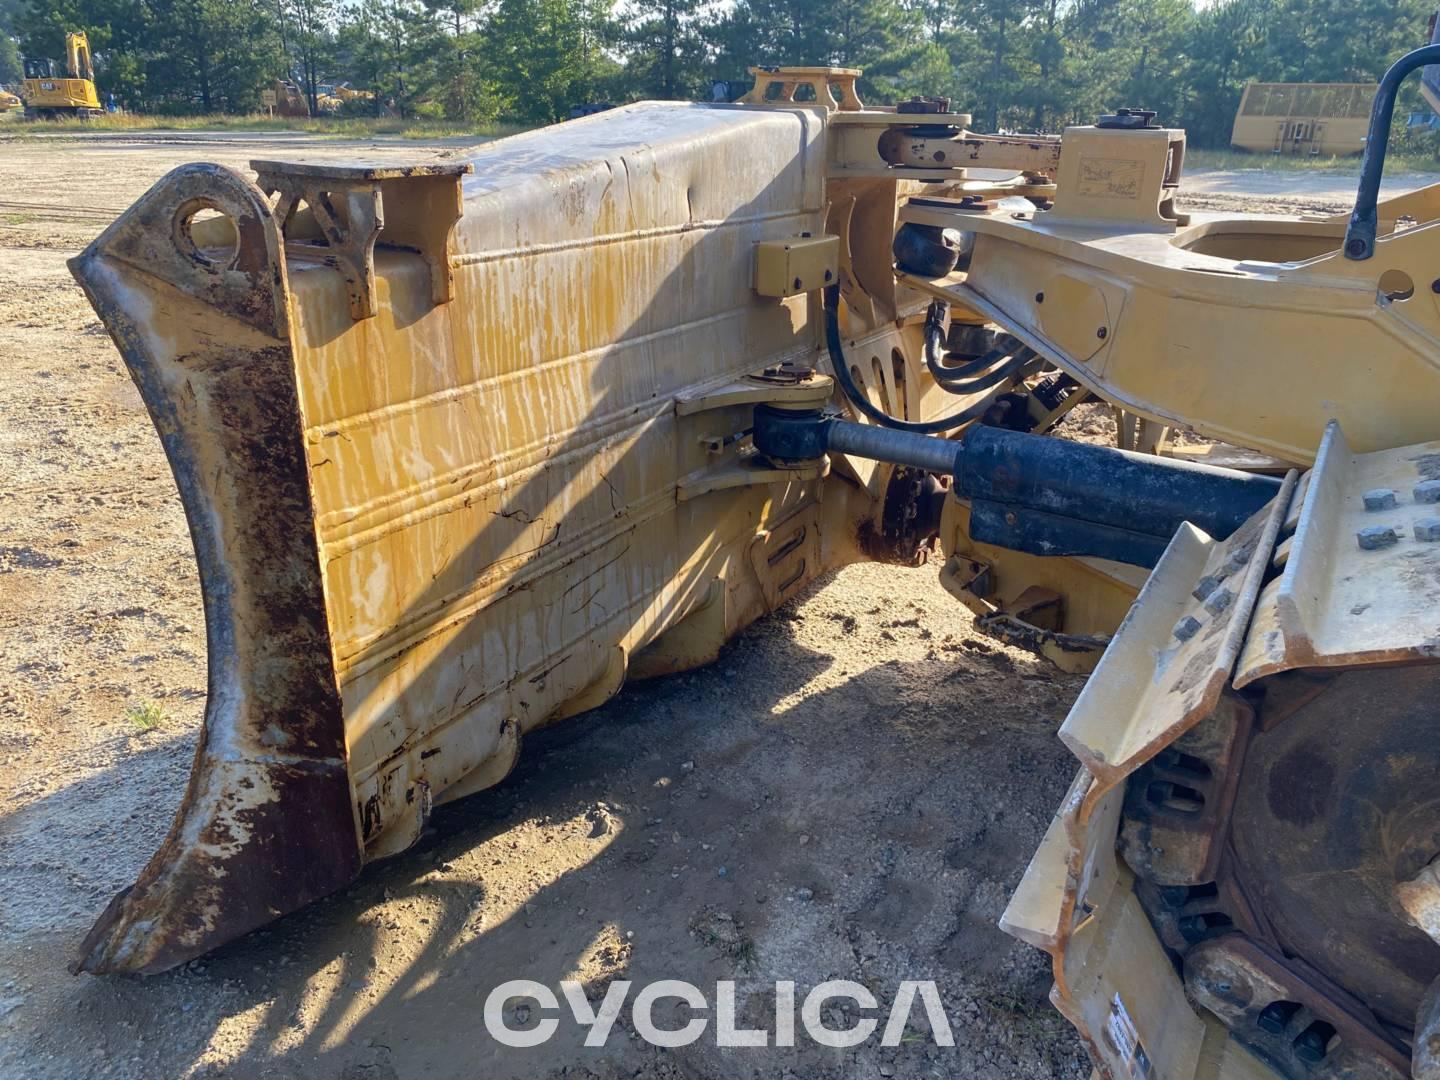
x=459, y=488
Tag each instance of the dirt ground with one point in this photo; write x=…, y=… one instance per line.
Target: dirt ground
x=851, y=792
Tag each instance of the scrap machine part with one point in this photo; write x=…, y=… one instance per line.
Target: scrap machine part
x=1322, y=812
x=1299, y=1023
x=1338, y=805
x=910, y=520
x=426, y=526
x=1265, y=856
x=269, y=801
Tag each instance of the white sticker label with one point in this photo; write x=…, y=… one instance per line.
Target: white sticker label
x=1126, y=1040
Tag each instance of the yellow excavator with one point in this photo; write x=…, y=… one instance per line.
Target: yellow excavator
x=51, y=93
x=463, y=446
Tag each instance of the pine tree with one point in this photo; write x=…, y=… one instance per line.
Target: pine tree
x=665, y=48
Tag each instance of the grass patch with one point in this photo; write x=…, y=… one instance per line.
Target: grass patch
x=1349, y=165
x=146, y=716
x=17, y=219
x=350, y=127
x=1018, y=1016
x=717, y=930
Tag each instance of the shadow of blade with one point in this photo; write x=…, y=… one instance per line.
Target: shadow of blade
x=791, y=764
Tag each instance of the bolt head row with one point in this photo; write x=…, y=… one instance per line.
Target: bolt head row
x=1425, y=492
x=1427, y=530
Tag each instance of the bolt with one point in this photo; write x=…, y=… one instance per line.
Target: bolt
x=1219, y=601
x=1310, y=1044
x=1277, y=1016
x=1238, y=558
x=1379, y=499
x=1356, y=248
x=1435, y=285
x=1427, y=530
x=1375, y=537
x=1102, y=333
x=1039, y=298
x=1010, y=517
x=1193, y=928
x=1187, y=628
x=1205, y=586
x=1427, y=491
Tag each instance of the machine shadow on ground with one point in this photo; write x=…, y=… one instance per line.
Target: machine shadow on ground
x=775, y=816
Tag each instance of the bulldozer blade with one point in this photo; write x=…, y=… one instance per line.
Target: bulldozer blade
x=457, y=452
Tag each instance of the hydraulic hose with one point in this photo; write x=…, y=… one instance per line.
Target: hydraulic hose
x=934, y=344
x=1003, y=373
x=862, y=405
x=962, y=373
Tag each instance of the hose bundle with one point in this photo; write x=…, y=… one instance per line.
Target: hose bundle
x=977, y=375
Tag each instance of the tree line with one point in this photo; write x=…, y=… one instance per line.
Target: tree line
x=1014, y=64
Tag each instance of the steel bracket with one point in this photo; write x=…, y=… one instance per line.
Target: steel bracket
x=352, y=208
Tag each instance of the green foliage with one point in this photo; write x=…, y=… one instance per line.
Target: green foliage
x=212, y=55
x=9, y=60
x=146, y=716
x=1240, y=41
x=1014, y=64
x=1409, y=153
x=548, y=56
x=307, y=37
x=341, y=128
x=666, y=48
x=10, y=71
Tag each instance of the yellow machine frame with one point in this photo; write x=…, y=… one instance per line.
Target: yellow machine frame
x=463, y=446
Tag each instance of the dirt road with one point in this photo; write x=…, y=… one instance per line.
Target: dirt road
x=1271, y=184
x=851, y=792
